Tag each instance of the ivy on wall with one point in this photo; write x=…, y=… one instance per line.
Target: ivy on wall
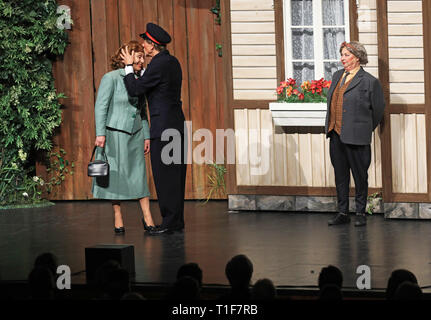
x=216, y=11
x=29, y=108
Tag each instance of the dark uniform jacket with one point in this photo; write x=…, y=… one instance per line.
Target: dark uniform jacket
x=363, y=107
x=161, y=83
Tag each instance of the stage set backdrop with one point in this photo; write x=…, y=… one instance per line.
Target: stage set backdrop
x=262, y=42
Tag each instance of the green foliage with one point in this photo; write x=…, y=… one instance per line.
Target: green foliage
x=216, y=180
x=216, y=10
x=219, y=49
x=314, y=91
x=19, y=186
x=372, y=201
x=29, y=106
x=58, y=168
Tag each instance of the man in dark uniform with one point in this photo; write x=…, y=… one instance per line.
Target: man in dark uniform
x=161, y=84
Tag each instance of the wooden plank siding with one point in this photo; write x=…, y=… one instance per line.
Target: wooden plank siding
x=405, y=31
x=397, y=40
x=409, y=170
x=234, y=91
x=288, y=159
x=402, y=50
x=100, y=26
x=367, y=28
x=254, y=59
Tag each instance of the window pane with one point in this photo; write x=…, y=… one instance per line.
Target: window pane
x=302, y=44
x=332, y=39
x=303, y=71
x=302, y=12
x=333, y=12
x=330, y=68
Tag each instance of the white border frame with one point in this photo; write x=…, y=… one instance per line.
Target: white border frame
x=319, y=70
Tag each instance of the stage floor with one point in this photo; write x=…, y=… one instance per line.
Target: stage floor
x=288, y=248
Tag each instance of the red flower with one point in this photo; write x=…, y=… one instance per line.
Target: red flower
x=289, y=91
x=291, y=82
x=305, y=86
x=283, y=84
x=326, y=84
x=313, y=89
x=316, y=86
x=280, y=90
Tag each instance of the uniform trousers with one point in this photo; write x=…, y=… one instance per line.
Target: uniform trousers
x=346, y=157
x=169, y=179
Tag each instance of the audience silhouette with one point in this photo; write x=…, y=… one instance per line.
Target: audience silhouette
x=113, y=283
x=330, y=275
x=330, y=283
x=238, y=272
x=185, y=288
x=263, y=289
x=41, y=284
x=47, y=260
x=192, y=270
x=330, y=292
x=408, y=291
x=397, y=277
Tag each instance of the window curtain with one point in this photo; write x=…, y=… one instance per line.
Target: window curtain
x=333, y=34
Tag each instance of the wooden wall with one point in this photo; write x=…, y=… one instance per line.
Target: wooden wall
x=404, y=47
x=367, y=33
x=254, y=64
x=267, y=157
x=397, y=37
x=294, y=160
x=100, y=26
x=408, y=150
x=406, y=52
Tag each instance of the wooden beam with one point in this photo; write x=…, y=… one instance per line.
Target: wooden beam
x=385, y=127
x=353, y=18
x=296, y=191
x=231, y=187
x=426, y=12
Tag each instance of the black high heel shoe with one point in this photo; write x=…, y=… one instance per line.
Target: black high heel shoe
x=147, y=227
x=119, y=230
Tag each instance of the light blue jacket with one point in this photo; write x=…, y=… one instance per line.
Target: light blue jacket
x=116, y=109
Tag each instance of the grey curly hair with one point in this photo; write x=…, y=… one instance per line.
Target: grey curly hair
x=357, y=49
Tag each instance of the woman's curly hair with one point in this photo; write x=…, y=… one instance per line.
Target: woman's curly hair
x=116, y=61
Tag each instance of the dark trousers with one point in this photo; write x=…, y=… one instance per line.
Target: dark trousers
x=170, y=181
x=346, y=157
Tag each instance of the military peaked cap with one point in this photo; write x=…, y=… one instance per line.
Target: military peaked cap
x=156, y=34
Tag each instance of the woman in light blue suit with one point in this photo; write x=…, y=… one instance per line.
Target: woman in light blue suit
x=122, y=130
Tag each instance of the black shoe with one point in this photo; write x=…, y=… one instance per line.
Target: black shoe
x=151, y=229
x=340, y=218
x=147, y=227
x=160, y=230
x=119, y=230
x=360, y=220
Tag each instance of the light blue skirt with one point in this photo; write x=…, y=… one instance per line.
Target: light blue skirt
x=127, y=170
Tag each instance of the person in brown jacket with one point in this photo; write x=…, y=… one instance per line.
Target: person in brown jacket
x=355, y=108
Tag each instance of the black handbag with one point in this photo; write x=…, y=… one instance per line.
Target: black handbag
x=98, y=168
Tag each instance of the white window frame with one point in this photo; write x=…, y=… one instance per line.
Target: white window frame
x=318, y=61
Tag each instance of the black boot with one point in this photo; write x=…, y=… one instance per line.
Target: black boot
x=340, y=218
x=360, y=220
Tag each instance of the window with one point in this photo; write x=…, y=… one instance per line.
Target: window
x=314, y=30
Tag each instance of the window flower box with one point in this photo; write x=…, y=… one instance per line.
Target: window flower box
x=304, y=106
x=298, y=114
